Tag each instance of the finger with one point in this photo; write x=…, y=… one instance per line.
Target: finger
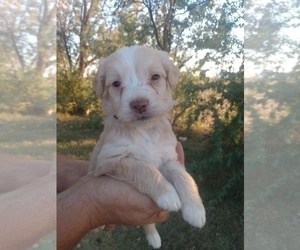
x=161, y=216
x=180, y=153
x=158, y=217
x=109, y=227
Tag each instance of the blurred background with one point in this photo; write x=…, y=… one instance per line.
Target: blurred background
x=28, y=78
x=27, y=124
x=272, y=124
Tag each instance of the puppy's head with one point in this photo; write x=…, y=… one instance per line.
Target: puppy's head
x=135, y=83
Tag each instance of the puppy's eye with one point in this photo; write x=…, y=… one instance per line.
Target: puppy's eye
x=155, y=77
x=116, y=84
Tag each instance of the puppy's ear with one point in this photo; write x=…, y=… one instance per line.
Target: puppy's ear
x=173, y=72
x=99, y=79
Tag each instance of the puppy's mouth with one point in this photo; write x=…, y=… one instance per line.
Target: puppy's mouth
x=142, y=117
x=136, y=117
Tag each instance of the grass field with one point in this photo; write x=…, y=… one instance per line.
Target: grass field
x=76, y=137
x=32, y=137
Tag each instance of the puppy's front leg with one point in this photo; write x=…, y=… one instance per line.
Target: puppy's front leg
x=192, y=208
x=143, y=176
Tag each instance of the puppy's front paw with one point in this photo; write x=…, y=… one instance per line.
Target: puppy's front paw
x=194, y=214
x=154, y=240
x=169, y=200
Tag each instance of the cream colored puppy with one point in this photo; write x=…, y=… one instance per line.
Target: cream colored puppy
x=138, y=144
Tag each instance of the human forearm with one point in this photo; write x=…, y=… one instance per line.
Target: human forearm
x=97, y=201
x=69, y=171
x=16, y=172
x=28, y=213
x=72, y=216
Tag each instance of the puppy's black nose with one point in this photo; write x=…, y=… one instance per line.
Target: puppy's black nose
x=139, y=105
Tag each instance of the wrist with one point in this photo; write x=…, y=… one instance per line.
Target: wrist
x=97, y=211
x=73, y=214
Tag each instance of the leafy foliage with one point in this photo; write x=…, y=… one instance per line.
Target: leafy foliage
x=75, y=94
x=27, y=53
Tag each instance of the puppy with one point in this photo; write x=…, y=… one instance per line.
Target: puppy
x=138, y=144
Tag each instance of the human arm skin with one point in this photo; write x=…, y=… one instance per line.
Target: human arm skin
x=27, y=201
x=69, y=170
x=81, y=208
x=95, y=201
x=17, y=171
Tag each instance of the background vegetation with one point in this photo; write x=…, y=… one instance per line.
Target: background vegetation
x=204, y=39
x=27, y=116
x=272, y=198
x=27, y=73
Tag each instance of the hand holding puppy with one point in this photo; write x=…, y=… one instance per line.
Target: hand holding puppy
x=87, y=202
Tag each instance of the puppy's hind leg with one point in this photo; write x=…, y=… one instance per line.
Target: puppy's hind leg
x=191, y=204
x=152, y=236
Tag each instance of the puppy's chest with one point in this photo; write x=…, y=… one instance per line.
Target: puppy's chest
x=155, y=149
x=153, y=146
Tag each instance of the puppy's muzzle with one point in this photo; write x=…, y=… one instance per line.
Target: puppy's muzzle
x=139, y=106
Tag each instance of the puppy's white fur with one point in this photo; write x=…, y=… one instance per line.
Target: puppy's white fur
x=138, y=144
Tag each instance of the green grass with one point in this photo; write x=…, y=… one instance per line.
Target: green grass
x=224, y=226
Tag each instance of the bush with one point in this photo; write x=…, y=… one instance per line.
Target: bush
x=27, y=93
x=214, y=109
x=75, y=94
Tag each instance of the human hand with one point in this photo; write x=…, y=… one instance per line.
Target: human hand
x=119, y=203
x=180, y=153
x=96, y=201
x=69, y=171
x=125, y=204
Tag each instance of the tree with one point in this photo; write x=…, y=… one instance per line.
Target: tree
x=29, y=43
x=77, y=24
x=193, y=32
x=271, y=119
x=27, y=64
x=181, y=28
